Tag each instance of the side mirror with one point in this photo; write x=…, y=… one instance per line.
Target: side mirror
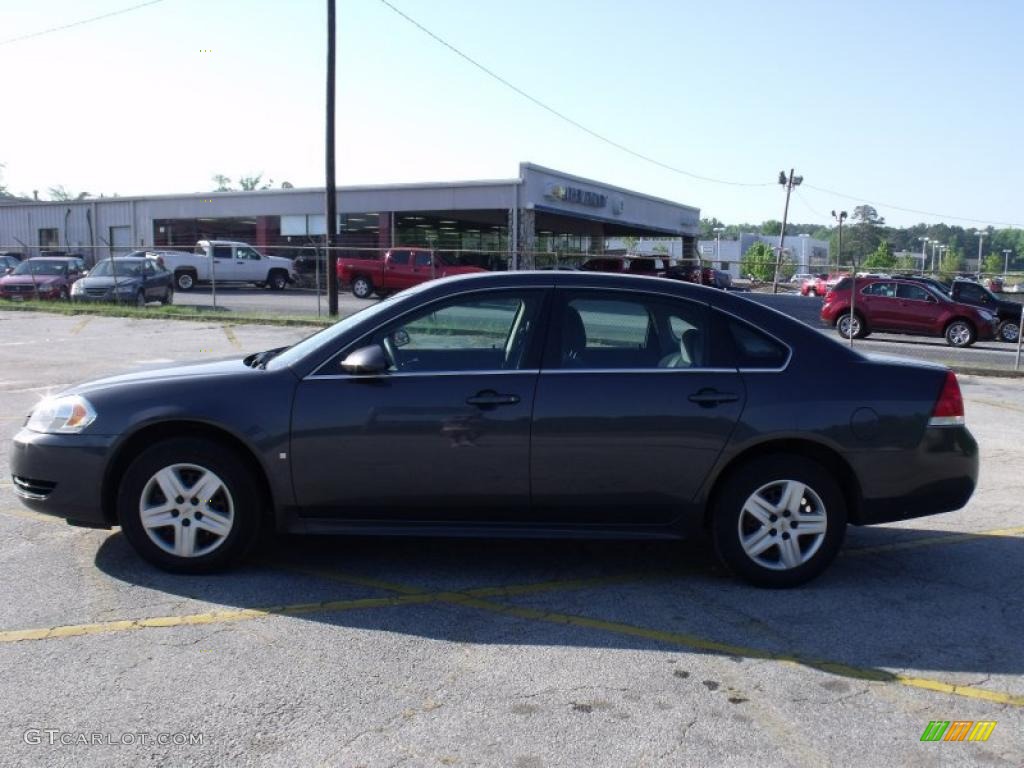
x=366, y=360
x=400, y=337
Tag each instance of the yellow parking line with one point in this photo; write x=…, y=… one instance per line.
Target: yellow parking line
x=229, y=332
x=870, y=674
x=933, y=541
x=80, y=325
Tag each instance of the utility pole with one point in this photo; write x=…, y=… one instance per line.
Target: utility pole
x=331, y=224
x=840, y=217
x=792, y=181
x=1006, y=261
x=718, y=245
x=924, y=256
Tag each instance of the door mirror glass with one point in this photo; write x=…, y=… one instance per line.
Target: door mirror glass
x=365, y=360
x=400, y=337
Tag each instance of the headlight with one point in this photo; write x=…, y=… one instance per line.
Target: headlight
x=77, y=288
x=62, y=415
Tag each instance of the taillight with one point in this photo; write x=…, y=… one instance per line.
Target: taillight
x=949, y=408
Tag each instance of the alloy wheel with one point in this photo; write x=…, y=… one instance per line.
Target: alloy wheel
x=1010, y=331
x=959, y=334
x=782, y=525
x=849, y=324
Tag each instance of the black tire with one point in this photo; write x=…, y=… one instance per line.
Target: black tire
x=237, y=499
x=860, y=327
x=362, y=287
x=960, y=333
x=1008, y=331
x=821, y=500
x=277, y=280
x=184, y=281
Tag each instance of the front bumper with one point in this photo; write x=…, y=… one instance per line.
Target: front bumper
x=62, y=475
x=939, y=476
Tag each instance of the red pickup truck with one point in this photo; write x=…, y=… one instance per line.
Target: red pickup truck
x=398, y=269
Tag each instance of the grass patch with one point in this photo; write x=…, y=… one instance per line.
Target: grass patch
x=164, y=313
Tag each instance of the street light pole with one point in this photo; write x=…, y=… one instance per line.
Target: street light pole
x=792, y=181
x=840, y=217
x=924, y=256
x=330, y=226
x=718, y=245
x=1006, y=261
x=981, y=237
x=935, y=244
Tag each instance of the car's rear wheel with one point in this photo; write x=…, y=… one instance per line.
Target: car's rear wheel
x=362, y=288
x=851, y=323
x=1009, y=331
x=779, y=520
x=189, y=505
x=277, y=280
x=185, y=281
x=960, y=333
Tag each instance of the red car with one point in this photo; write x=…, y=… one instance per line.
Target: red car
x=44, y=277
x=400, y=268
x=903, y=306
x=821, y=284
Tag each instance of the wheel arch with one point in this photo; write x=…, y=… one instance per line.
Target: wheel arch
x=825, y=455
x=150, y=434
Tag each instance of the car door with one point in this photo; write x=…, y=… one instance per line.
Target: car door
x=920, y=312
x=398, y=271
x=878, y=303
x=223, y=263
x=249, y=265
x=633, y=407
x=443, y=435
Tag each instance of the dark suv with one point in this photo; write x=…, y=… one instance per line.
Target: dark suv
x=977, y=295
x=905, y=306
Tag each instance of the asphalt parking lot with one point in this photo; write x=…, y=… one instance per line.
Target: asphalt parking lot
x=375, y=652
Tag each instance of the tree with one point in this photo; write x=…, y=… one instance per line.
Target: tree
x=772, y=227
x=630, y=242
x=758, y=262
x=250, y=183
x=3, y=187
x=223, y=182
x=881, y=258
x=952, y=262
x=867, y=214
x=62, y=194
x=993, y=264
x=708, y=226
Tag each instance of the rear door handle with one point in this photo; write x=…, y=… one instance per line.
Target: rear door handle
x=490, y=398
x=708, y=398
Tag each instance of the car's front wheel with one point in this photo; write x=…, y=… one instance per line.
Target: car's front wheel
x=779, y=520
x=848, y=324
x=277, y=280
x=960, y=333
x=189, y=505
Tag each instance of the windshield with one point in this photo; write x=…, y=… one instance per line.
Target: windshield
x=118, y=268
x=309, y=344
x=33, y=267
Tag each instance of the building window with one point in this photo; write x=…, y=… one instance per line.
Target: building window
x=48, y=238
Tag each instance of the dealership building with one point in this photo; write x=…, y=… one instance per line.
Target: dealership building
x=540, y=216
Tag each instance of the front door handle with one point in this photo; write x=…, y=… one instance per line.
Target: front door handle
x=489, y=398
x=708, y=398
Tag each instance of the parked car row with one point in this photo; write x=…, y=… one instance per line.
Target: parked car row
x=121, y=279
x=648, y=267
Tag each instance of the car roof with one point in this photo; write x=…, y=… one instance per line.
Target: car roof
x=55, y=258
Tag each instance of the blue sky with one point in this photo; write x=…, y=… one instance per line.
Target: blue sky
x=912, y=104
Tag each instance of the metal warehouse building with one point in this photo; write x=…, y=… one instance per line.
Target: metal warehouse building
x=498, y=223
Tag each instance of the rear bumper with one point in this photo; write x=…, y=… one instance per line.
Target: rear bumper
x=939, y=476
x=62, y=475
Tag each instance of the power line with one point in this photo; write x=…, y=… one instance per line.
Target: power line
x=30, y=35
x=566, y=118
x=911, y=210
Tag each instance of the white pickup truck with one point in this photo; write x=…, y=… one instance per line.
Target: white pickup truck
x=232, y=262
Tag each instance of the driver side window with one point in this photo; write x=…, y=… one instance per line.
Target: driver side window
x=475, y=333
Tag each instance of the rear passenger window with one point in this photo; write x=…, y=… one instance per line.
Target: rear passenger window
x=400, y=257
x=914, y=292
x=755, y=349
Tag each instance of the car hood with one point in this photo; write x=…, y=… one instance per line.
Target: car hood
x=27, y=280
x=108, y=282
x=220, y=367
